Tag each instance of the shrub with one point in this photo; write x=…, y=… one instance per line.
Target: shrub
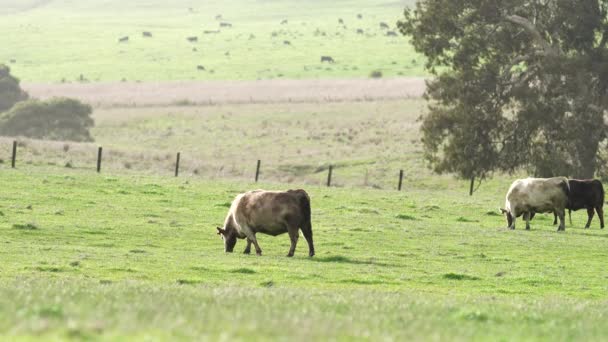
x=10, y=92
x=376, y=74
x=54, y=119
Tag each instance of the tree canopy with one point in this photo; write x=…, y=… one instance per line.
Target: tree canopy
x=54, y=119
x=518, y=84
x=10, y=92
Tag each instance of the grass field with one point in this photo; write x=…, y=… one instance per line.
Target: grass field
x=123, y=256
x=59, y=40
x=366, y=142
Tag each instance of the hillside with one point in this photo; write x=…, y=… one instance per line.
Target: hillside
x=67, y=41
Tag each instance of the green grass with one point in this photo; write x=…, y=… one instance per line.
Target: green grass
x=61, y=40
x=129, y=256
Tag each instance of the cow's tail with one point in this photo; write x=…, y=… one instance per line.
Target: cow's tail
x=306, y=225
x=601, y=193
x=565, y=187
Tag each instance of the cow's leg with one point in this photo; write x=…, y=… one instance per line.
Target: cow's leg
x=254, y=241
x=293, y=236
x=600, y=214
x=307, y=232
x=554, y=218
x=590, y=214
x=527, y=219
x=511, y=220
x=248, y=248
x=562, y=220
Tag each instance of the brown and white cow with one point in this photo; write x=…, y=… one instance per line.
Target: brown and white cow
x=268, y=212
x=536, y=195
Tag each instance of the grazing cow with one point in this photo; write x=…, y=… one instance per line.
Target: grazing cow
x=536, y=195
x=384, y=25
x=147, y=34
x=218, y=17
x=200, y=67
x=286, y=42
x=327, y=59
x=340, y=21
x=268, y=212
x=192, y=39
x=284, y=22
x=586, y=194
x=224, y=24
x=123, y=39
x=211, y=31
x=360, y=31
x=391, y=34
x=359, y=16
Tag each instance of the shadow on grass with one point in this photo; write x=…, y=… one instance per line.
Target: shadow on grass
x=345, y=260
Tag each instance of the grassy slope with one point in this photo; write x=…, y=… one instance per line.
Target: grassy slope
x=63, y=39
x=137, y=256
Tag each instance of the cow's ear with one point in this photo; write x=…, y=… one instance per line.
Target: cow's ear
x=220, y=231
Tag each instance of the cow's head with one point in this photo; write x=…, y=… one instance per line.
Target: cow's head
x=229, y=237
x=508, y=216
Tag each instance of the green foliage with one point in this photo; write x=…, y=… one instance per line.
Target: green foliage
x=10, y=92
x=54, y=119
x=520, y=83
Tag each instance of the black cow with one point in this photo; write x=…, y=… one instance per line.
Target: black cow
x=586, y=194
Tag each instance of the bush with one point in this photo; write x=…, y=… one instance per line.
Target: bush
x=10, y=92
x=54, y=119
x=376, y=74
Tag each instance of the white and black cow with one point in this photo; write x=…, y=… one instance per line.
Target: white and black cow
x=268, y=212
x=536, y=195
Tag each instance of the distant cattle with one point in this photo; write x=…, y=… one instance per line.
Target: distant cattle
x=340, y=21
x=384, y=25
x=218, y=17
x=536, y=195
x=284, y=22
x=192, y=39
x=268, y=212
x=391, y=34
x=286, y=42
x=211, y=31
x=360, y=31
x=359, y=16
x=200, y=67
x=146, y=34
x=225, y=24
x=13, y=61
x=586, y=194
x=123, y=39
x=327, y=59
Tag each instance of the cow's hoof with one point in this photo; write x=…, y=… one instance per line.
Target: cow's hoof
x=586, y=227
x=247, y=251
x=289, y=255
x=311, y=254
x=258, y=253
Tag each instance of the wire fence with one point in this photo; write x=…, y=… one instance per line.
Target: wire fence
x=170, y=162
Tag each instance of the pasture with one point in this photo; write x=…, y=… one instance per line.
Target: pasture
x=131, y=256
x=79, y=41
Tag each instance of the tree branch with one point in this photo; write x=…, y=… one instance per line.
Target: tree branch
x=531, y=29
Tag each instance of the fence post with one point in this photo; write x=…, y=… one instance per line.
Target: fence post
x=14, y=157
x=400, y=179
x=257, y=171
x=329, y=175
x=471, y=186
x=99, y=151
x=177, y=164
